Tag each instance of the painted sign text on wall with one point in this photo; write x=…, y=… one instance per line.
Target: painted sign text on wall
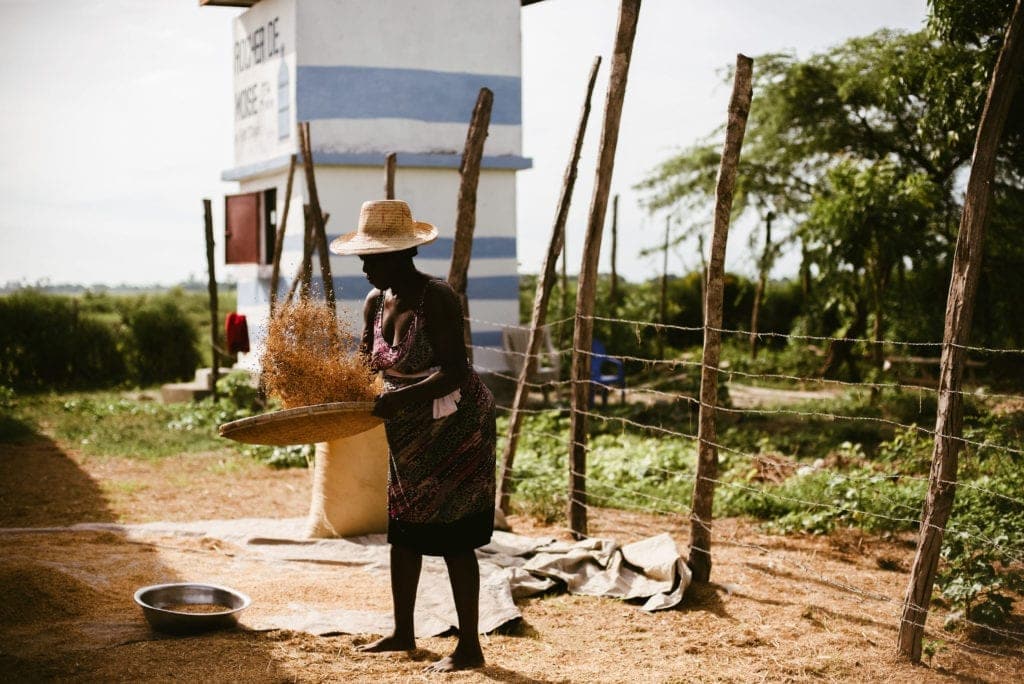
x=258, y=45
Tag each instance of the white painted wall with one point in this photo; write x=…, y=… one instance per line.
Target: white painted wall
x=480, y=36
x=432, y=194
x=264, y=36
x=373, y=77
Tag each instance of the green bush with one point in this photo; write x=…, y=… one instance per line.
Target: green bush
x=98, y=340
x=981, y=550
x=163, y=343
x=47, y=342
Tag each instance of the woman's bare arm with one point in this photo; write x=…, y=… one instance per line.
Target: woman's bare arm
x=369, y=316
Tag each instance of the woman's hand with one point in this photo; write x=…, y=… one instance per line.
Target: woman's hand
x=388, y=405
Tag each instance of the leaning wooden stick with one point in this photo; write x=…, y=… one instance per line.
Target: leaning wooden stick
x=543, y=294
x=318, y=223
x=211, y=287
x=629, y=12
x=306, y=265
x=707, y=457
x=465, y=217
x=275, y=274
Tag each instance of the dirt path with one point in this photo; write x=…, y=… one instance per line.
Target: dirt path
x=751, y=396
x=786, y=608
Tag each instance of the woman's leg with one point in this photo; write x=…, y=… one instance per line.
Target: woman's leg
x=405, y=575
x=464, y=574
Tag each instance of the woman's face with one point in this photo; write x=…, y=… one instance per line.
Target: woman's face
x=379, y=269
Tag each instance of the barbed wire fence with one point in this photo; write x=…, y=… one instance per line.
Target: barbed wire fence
x=901, y=515
x=948, y=440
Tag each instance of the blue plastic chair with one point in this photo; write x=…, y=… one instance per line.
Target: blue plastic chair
x=605, y=371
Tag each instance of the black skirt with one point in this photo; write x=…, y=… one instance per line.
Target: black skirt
x=442, y=539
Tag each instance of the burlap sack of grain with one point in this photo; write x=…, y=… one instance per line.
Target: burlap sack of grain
x=350, y=482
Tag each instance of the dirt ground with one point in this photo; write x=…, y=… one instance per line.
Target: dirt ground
x=794, y=608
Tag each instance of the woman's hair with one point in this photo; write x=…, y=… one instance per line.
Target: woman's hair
x=411, y=252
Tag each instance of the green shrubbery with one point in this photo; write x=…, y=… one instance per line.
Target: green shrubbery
x=59, y=342
x=163, y=342
x=863, y=472
x=641, y=303
x=46, y=342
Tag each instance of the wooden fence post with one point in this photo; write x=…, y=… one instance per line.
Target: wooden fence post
x=629, y=13
x=543, y=294
x=707, y=460
x=211, y=287
x=389, y=175
x=275, y=273
x=465, y=217
x=959, y=311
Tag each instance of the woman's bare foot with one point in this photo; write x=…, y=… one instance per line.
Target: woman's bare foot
x=389, y=643
x=462, y=658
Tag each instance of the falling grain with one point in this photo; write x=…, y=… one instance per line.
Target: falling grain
x=311, y=358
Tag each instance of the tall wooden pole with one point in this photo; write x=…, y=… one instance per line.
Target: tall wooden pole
x=211, y=287
x=309, y=245
x=959, y=311
x=707, y=461
x=762, y=282
x=664, y=291
x=318, y=227
x=465, y=217
x=563, y=304
x=275, y=273
x=629, y=13
x=389, y=175
x=613, y=292
x=542, y=296
x=703, y=275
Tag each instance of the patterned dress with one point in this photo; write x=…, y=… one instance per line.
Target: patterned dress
x=441, y=477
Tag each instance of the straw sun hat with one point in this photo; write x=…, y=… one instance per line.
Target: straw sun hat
x=384, y=226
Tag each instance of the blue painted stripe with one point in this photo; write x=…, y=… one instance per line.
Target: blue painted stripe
x=356, y=92
x=409, y=160
x=355, y=288
x=430, y=160
x=487, y=338
x=479, y=287
x=483, y=247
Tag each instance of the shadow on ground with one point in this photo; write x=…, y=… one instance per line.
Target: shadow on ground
x=67, y=611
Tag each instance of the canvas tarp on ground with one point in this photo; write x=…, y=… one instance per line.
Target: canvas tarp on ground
x=512, y=566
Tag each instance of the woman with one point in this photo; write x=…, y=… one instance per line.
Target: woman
x=439, y=420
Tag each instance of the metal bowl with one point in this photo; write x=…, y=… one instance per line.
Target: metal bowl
x=156, y=602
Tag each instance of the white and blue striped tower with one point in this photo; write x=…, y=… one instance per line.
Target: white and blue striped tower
x=374, y=77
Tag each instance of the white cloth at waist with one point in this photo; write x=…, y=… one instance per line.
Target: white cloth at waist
x=443, y=406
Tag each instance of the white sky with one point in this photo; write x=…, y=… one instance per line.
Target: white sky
x=116, y=121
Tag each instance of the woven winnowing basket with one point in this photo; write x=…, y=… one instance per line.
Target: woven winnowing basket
x=304, y=424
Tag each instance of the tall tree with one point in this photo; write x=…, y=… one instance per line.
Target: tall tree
x=869, y=220
x=905, y=104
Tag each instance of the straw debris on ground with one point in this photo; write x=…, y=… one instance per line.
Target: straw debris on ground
x=311, y=357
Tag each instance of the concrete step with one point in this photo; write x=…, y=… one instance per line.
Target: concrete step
x=183, y=392
x=198, y=388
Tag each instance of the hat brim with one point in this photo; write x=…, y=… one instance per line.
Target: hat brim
x=356, y=243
